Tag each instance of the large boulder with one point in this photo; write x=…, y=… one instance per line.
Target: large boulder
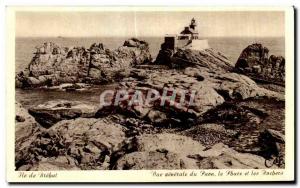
x=26, y=130
x=51, y=112
x=272, y=143
x=255, y=62
x=25, y=123
x=242, y=87
x=171, y=151
x=183, y=58
x=160, y=151
x=86, y=143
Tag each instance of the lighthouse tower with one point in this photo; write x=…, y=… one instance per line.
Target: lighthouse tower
x=187, y=39
x=193, y=24
x=189, y=32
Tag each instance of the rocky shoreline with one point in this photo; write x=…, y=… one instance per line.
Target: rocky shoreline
x=231, y=125
x=53, y=65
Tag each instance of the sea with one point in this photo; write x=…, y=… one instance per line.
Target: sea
x=231, y=47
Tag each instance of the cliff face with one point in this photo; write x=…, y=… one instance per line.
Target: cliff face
x=53, y=65
x=255, y=62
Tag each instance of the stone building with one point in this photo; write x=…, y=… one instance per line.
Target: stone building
x=187, y=39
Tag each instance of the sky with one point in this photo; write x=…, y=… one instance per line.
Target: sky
x=154, y=23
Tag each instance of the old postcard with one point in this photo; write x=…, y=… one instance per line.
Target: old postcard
x=150, y=94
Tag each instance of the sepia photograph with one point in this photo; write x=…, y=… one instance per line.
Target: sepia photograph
x=144, y=90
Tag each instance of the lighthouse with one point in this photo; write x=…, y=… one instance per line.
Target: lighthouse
x=190, y=32
x=187, y=39
x=193, y=24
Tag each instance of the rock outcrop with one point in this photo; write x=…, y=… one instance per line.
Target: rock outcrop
x=54, y=65
x=84, y=143
x=54, y=111
x=255, y=62
x=26, y=130
x=221, y=156
x=271, y=143
x=207, y=89
x=25, y=123
x=161, y=152
x=51, y=164
x=182, y=58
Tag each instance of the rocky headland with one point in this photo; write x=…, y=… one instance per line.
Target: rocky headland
x=231, y=125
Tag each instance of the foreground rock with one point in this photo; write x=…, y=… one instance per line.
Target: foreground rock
x=74, y=144
x=221, y=156
x=161, y=152
x=53, y=65
x=272, y=144
x=26, y=130
x=51, y=164
x=25, y=123
x=103, y=143
x=254, y=61
x=53, y=111
x=89, y=143
x=238, y=124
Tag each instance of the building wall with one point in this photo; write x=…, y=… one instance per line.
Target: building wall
x=171, y=42
x=194, y=45
x=199, y=45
